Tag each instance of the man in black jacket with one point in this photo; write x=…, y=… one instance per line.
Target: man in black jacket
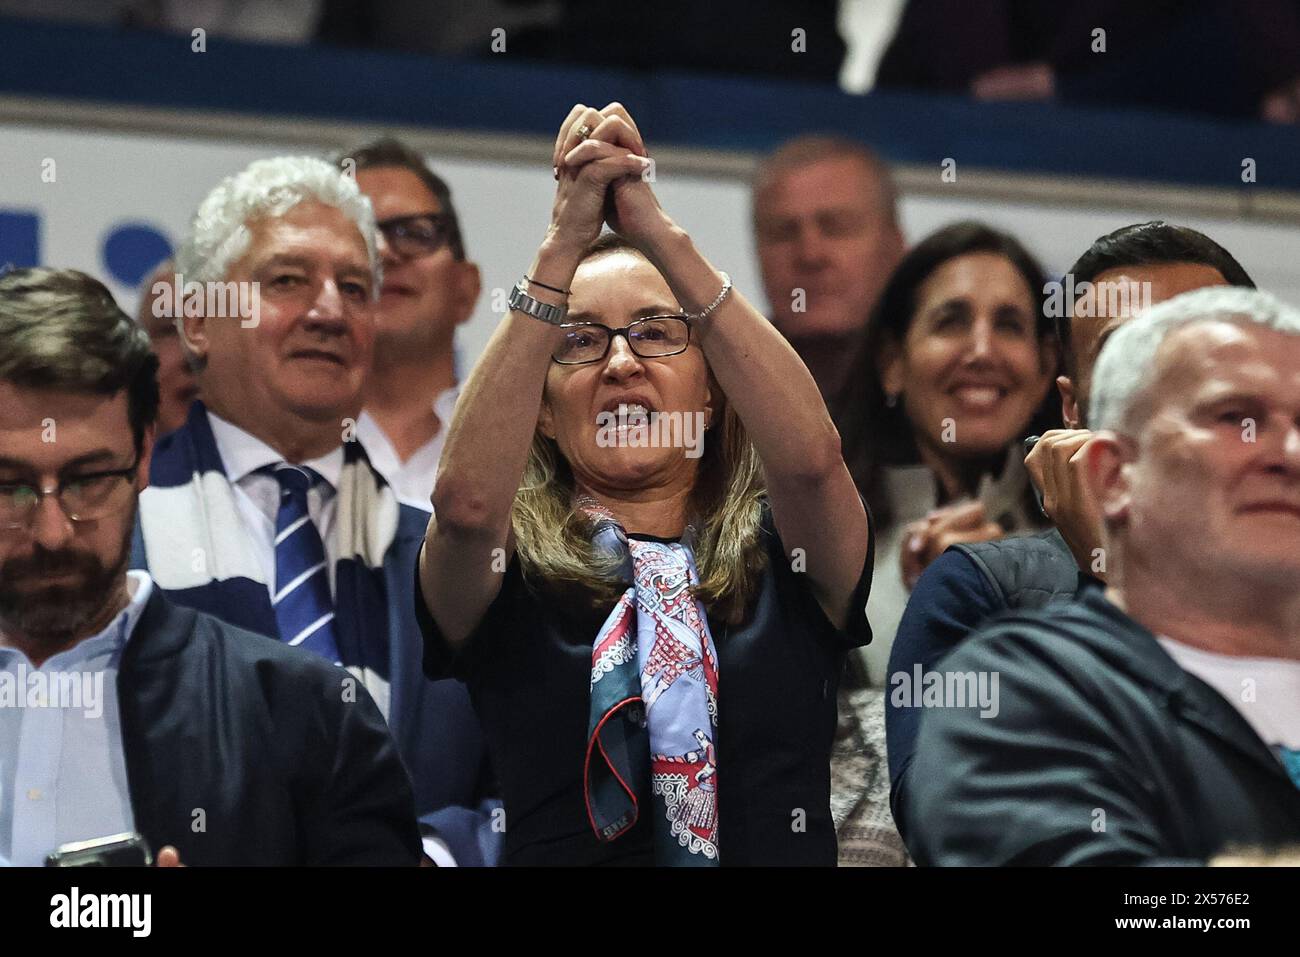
x=125, y=712
x=971, y=582
x=1161, y=719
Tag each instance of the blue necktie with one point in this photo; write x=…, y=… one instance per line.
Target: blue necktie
x=304, y=610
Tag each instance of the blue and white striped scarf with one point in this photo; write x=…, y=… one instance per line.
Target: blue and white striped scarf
x=202, y=555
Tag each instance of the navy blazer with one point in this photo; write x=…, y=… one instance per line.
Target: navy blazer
x=243, y=751
x=432, y=722
x=1103, y=751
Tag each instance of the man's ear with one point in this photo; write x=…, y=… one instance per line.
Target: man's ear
x=891, y=366
x=895, y=247
x=1069, y=402
x=469, y=283
x=1107, y=460
x=194, y=335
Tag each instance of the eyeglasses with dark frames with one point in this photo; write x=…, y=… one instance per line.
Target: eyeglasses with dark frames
x=83, y=498
x=420, y=235
x=653, y=337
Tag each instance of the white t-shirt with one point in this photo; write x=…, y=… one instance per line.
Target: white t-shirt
x=1265, y=690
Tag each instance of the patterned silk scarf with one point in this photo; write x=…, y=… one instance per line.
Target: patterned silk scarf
x=654, y=702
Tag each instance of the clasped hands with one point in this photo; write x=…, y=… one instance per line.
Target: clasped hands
x=1057, y=468
x=602, y=169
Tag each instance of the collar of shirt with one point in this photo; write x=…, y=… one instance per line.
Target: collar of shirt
x=445, y=404
x=370, y=433
x=109, y=642
x=243, y=453
x=412, y=480
x=1264, y=690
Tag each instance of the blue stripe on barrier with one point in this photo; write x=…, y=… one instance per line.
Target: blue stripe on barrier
x=504, y=94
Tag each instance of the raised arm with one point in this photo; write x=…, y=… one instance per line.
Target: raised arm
x=814, y=501
x=487, y=443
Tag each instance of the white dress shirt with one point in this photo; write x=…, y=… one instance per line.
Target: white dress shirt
x=258, y=494
x=62, y=760
x=413, y=479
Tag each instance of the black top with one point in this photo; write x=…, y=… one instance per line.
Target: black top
x=528, y=668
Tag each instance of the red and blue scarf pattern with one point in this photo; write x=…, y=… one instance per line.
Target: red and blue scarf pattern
x=654, y=706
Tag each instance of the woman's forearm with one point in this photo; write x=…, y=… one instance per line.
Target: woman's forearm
x=496, y=414
x=483, y=460
x=817, y=510
x=763, y=377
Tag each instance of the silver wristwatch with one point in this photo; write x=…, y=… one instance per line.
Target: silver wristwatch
x=522, y=302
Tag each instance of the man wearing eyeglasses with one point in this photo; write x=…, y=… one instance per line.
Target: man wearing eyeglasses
x=119, y=710
x=429, y=289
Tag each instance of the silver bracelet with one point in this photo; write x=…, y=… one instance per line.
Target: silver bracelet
x=708, y=310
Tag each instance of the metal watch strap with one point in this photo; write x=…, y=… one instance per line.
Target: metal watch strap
x=522, y=302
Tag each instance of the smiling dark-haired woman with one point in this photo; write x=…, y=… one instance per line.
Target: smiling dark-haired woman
x=652, y=629
x=961, y=360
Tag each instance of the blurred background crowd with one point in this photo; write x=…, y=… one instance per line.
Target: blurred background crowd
x=911, y=308
x=1200, y=56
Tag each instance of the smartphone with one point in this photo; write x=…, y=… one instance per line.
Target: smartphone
x=1038, y=494
x=117, y=850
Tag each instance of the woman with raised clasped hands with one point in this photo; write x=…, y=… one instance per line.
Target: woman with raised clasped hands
x=628, y=597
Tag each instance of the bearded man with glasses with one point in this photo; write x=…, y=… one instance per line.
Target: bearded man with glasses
x=288, y=759
x=429, y=289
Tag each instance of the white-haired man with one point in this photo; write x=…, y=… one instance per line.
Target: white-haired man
x=1159, y=719
x=262, y=510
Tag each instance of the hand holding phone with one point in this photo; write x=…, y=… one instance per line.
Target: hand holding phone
x=117, y=850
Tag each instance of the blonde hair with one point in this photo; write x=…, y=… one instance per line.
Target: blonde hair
x=554, y=540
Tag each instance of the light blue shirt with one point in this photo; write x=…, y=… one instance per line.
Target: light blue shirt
x=62, y=766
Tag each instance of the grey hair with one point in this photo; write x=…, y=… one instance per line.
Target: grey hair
x=1125, y=366
x=219, y=232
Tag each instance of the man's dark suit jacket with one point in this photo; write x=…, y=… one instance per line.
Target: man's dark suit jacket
x=241, y=750
x=433, y=722
x=1103, y=751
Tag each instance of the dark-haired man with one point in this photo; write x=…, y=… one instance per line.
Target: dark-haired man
x=429, y=289
x=1131, y=267
x=131, y=713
